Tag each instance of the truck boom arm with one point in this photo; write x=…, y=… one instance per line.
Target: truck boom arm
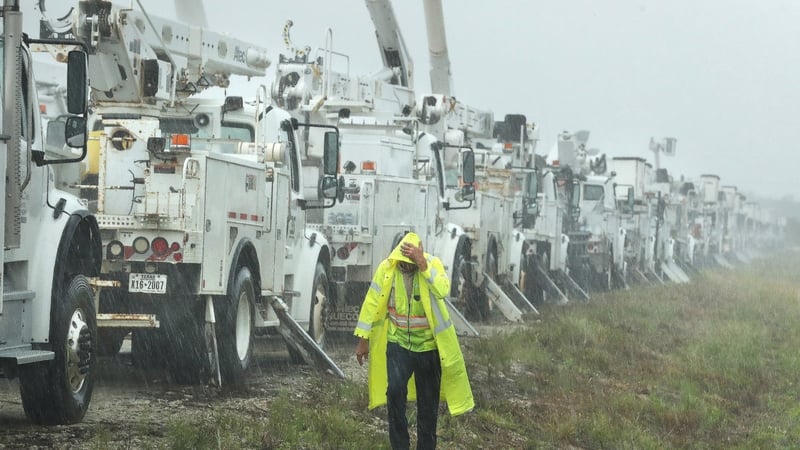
x=390, y=41
x=441, y=78
x=142, y=58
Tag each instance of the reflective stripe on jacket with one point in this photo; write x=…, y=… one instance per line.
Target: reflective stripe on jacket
x=408, y=323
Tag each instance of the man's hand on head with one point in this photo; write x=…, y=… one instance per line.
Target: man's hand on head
x=415, y=253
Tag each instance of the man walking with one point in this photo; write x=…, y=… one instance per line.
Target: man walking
x=406, y=333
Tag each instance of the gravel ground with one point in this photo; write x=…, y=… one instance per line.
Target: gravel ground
x=131, y=406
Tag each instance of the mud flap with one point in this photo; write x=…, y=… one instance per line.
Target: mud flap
x=211, y=341
x=300, y=341
x=463, y=327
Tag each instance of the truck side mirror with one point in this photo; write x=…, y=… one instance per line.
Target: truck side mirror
x=467, y=177
x=630, y=199
x=75, y=132
x=468, y=167
x=532, y=191
x=328, y=187
x=330, y=157
x=76, y=83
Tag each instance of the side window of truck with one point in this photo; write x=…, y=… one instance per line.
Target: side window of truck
x=23, y=108
x=287, y=135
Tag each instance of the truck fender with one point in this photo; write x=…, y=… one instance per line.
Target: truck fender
x=244, y=255
x=446, y=245
x=307, y=252
x=77, y=251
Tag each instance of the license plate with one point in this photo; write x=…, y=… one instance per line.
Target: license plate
x=150, y=283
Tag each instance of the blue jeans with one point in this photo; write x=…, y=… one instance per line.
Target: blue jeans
x=427, y=370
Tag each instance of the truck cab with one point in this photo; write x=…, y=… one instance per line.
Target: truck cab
x=48, y=335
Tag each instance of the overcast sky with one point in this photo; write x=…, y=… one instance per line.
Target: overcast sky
x=722, y=76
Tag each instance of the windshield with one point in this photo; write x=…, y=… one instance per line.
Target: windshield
x=230, y=134
x=592, y=192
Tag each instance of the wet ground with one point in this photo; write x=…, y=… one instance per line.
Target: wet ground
x=130, y=406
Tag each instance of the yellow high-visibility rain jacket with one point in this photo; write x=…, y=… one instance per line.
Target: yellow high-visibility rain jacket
x=373, y=325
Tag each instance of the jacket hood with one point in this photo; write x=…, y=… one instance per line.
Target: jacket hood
x=397, y=254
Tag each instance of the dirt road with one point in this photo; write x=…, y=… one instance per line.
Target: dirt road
x=131, y=407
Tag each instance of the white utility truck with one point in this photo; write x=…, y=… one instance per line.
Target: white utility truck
x=51, y=242
x=388, y=165
x=199, y=202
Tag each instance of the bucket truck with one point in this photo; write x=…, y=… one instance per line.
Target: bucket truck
x=389, y=166
x=539, y=214
x=51, y=242
x=490, y=247
x=592, y=221
x=200, y=203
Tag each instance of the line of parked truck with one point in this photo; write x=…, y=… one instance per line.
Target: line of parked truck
x=195, y=224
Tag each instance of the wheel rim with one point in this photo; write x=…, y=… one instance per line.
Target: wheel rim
x=319, y=313
x=243, y=322
x=79, y=344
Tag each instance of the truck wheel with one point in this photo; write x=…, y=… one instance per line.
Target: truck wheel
x=320, y=308
x=59, y=391
x=532, y=291
x=236, y=327
x=482, y=307
x=318, y=320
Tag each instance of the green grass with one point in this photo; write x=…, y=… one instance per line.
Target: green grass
x=710, y=364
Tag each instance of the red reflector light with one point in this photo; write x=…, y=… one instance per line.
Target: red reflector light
x=368, y=166
x=175, y=247
x=180, y=140
x=159, y=246
x=177, y=257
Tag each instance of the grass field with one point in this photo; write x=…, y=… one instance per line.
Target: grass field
x=710, y=364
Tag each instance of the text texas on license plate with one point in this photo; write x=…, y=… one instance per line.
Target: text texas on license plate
x=151, y=283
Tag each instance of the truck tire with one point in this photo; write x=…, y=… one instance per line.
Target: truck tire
x=320, y=308
x=532, y=290
x=235, y=328
x=59, y=391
